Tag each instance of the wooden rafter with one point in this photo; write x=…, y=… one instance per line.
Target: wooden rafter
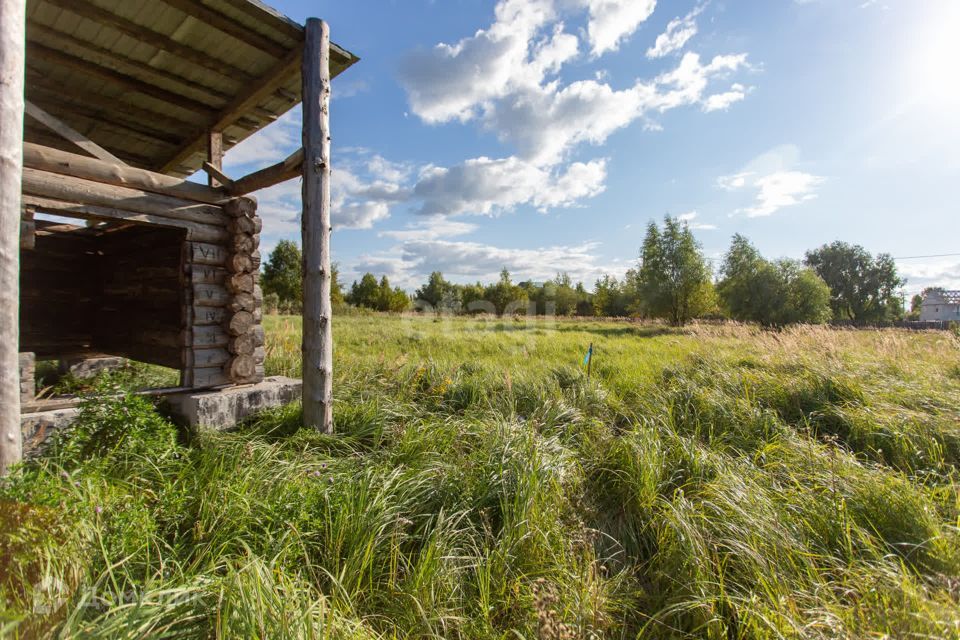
x=52, y=92
x=262, y=88
x=222, y=23
x=289, y=168
x=69, y=133
x=101, y=56
x=43, y=53
x=85, y=9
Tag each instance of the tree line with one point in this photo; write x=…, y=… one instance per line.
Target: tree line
x=671, y=280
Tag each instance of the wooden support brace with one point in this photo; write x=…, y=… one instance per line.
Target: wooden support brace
x=69, y=133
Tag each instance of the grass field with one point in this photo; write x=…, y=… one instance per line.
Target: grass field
x=716, y=482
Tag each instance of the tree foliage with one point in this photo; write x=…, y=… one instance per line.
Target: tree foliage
x=673, y=278
x=776, y=293
x=378, y=296
x=863, y=288
x=282, y=278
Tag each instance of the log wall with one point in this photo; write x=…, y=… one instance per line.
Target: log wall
x=168, y=273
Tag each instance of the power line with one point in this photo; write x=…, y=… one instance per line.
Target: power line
x=935, y=255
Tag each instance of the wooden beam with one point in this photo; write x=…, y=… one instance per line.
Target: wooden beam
x=214, y=155
x=111, y=108
x=39, y=134
x=291, y=167
x=216, y=176
x=196, y=231
x=60, y=108
x=280, y=22
x=69, y=133
x=70, y=189
x=317, y=310
x=36, y=156
x=259, y=90
x=12, y=38
x=103, y=57
x=38, y=52
x=141, y=33
x=224, y=24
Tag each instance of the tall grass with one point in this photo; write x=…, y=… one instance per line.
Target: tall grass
x=716, y=482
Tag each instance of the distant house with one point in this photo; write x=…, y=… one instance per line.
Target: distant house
x=940, y=304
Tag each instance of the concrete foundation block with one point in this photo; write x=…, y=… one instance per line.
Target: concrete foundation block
x=36, y=428
x=28, y=385
x=89, y=367
x=223, y=409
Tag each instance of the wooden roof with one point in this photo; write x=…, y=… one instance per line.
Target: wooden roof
x=147, y=79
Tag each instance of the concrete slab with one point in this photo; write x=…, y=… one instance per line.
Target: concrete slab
x=36, y=428
x=222, y=409
x=84, y=368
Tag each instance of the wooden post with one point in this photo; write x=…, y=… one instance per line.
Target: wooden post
x=12, y=39
x=215, y=155
x=317, y=331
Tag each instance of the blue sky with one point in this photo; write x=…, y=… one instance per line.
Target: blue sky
x=543, y=135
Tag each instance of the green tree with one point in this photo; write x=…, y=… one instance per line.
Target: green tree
x=390, y=299
x=439, y=293
x=366, y=293
x=282, y=274
x=862, y=288
x=777, y=293
x=505, y=296
x=283, y=277
x=674, y=279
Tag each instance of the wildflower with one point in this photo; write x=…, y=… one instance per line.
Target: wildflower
x=315, y=474
x=330, y=480
x=64, y=475
x=98, y=509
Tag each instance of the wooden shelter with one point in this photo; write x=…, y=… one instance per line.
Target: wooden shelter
x=117, y=101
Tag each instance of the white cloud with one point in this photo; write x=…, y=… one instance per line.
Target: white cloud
x=452, y=81
x=932, y=272
x=722, y=101
x=613, y=21
x=546, y=122
x=777, y=183
x=679, y=32
x=491, y=186
x=690, y=219
x=432, y=228
x=504, y=76
x=734, y=181
x=782, y=189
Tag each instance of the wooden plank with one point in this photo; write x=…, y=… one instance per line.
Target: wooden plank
x=141, y=33
x=290, y=167
x=224, y=24
x=204, y=274
x=214, y=157
x=209, y=336
x=69, y=133
x=49, y=91
x=201, y=358
x=104, y=57
x=194, y=230
x=41, y=53
x=204, y=316
x=71, y=189
x=276, y=76
x=209, y=254
x=210, y=295
x=12, y=37
x=70, y=164
x=317, y=310
x=216, y=177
